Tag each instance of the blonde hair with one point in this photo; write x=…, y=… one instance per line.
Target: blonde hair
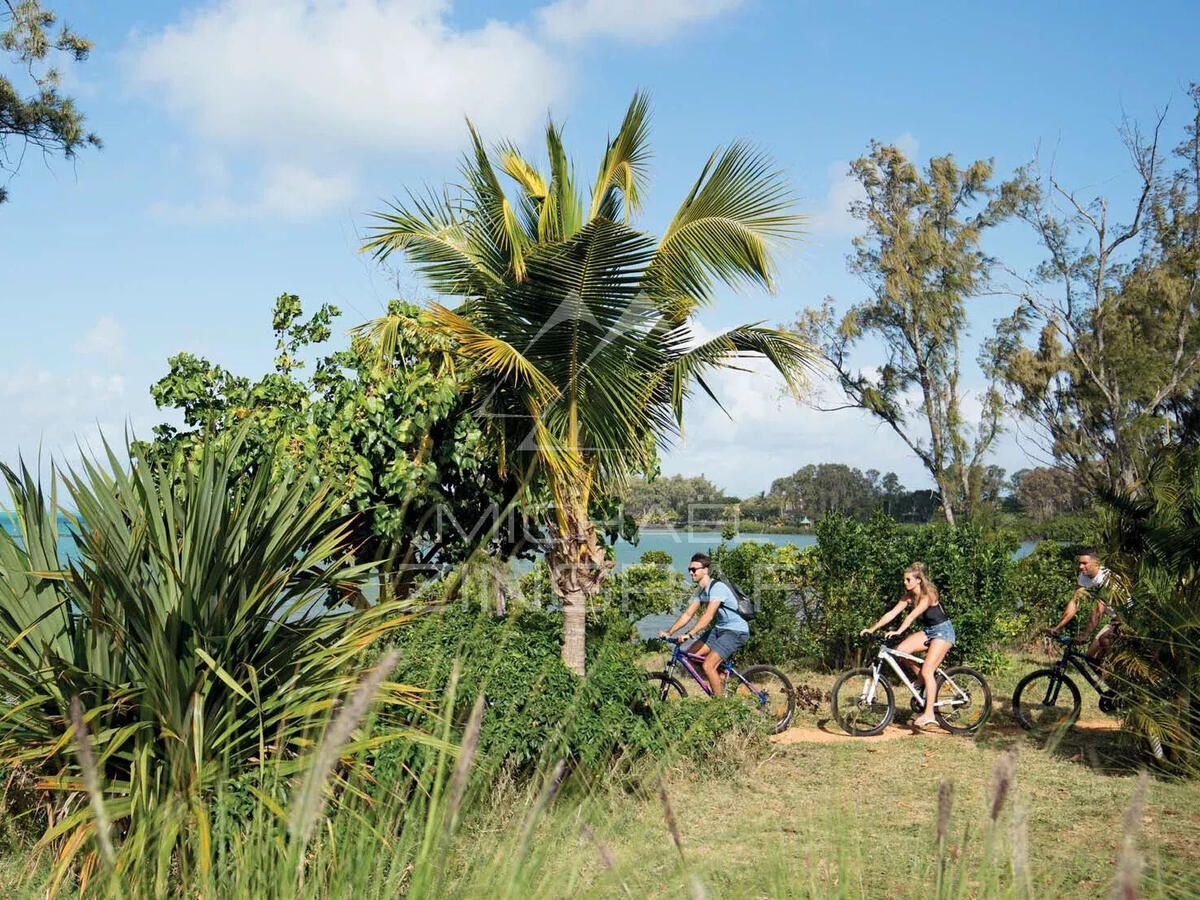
x=925, y=585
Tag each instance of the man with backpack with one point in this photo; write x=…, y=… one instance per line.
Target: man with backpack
x=722, y=629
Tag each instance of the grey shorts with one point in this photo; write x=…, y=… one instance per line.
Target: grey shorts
x=942, y=631
x=723, y=642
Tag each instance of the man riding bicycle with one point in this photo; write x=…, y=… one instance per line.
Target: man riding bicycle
x=721, y=629
x=1102, y=586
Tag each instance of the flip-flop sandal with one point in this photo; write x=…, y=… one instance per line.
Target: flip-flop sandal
x=918, y=725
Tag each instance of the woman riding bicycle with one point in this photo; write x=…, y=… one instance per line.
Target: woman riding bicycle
x=920, y=597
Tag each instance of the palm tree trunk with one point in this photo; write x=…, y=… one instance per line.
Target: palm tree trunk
x=574, y=647
x=578, y=568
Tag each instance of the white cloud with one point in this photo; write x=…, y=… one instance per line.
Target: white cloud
x=844, y=189
x=292, y=193
x=105, y=339
x=304, y=78
x=636, y=21
x=49, y=412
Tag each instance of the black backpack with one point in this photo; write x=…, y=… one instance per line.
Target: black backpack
x=747, y=606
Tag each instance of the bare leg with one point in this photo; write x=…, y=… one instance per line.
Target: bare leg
x=933, y=658
x=711, y=661
x=1098, y=649
x=914, y=644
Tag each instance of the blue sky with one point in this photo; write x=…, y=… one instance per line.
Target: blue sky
x=246, y=142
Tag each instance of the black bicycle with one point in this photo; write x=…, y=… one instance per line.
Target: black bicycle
x=1049, y=699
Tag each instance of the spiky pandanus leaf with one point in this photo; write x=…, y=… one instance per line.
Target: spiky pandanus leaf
x=191, y=622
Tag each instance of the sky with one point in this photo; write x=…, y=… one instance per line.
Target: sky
x=246, y=143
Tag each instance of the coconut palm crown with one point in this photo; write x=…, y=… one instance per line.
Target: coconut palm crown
x=579, y=325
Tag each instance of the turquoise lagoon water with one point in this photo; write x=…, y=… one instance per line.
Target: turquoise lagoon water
x=680, y=543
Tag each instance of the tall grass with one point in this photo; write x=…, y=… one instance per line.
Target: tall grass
x=446, y=830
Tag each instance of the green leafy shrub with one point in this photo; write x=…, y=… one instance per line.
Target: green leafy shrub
x=638, y=590
x=1042, y=583
x=858, y=576
x=815, y=601
x=536, y=708
x=779, y=577
x=644, y=589
x=657, y=558
x=1081, y=529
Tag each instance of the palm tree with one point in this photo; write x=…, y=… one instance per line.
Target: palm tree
x=580, y=325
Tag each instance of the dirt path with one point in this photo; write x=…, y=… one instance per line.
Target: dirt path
x=827, y=731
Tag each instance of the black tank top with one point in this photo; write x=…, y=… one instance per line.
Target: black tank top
x=933, y=615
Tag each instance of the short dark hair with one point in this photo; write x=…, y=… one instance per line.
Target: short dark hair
x=703, y=559
x=1089, y=551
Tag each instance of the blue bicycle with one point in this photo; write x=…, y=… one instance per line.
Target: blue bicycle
x=764, y=689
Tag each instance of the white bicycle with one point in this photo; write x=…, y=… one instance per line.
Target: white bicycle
x=864, y=702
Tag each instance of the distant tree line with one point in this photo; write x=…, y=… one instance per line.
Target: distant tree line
x=1037, y=495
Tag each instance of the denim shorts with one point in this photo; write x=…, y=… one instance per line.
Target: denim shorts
x=724, y=642
x=943, y=631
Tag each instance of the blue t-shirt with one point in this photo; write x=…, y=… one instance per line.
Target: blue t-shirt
x=727, y=616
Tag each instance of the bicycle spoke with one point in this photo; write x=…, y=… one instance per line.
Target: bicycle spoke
x=767, y=692
x=1045, y=700
x=862, y=704
x=963, y=700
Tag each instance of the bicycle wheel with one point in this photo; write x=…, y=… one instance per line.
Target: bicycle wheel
x=666, y=687
x=964, y=700
x=859, y=714
x=768, y=692
x=1039, y=702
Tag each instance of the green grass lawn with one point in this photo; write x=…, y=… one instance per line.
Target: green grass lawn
x=814, y=814
x=857, y=818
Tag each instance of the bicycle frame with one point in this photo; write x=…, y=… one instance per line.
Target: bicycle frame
x=1083, y=665
x=890, y=655
x=690, y=663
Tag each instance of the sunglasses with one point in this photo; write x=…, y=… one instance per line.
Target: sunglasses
x=696, y=568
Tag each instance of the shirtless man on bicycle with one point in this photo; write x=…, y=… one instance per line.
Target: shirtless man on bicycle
x=1097, y=582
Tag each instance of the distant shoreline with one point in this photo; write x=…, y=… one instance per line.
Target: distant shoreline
x=756, y=528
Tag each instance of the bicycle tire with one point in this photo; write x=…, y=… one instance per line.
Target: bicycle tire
x=1033, y=713
x=666, y=684
x=847, y=711
x=979, y=701
x=780, y=703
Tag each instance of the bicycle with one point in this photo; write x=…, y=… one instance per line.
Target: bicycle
x=764, y=688
x=862, y=712
x=1038, y=701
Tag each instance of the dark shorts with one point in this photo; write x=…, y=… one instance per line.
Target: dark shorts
x=941, y=631
x=724, y=642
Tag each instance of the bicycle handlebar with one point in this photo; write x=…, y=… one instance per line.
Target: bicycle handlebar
x=1065, y=638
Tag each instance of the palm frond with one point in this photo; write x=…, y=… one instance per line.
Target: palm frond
x=439, y=244
x=522, y=172
x=623, y=174
x=562, y=214
x=493, y=210
x=738, y=208
x=789, y=354
x=493, y=354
